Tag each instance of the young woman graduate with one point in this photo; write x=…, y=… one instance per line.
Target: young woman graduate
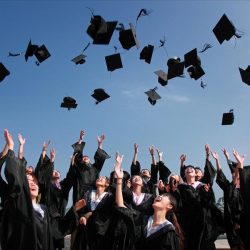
x=26, y=222
x=159, y=233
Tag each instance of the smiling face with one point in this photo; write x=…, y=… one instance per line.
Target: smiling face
x=190, y=172
x=162, y=202
x=102, y=181
x=145, y=173
x=85, y=159
x=33, y=185
x=136, y=181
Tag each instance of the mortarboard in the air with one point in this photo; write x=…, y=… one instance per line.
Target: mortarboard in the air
x=195, y=72
x=153, y=96
x=191, y=58
x=30, y=51
x=146, y=53
x=100, y=95
x=80, y=59
x=128, y=38
x=113, y=62
x=224, y=29
x=42, y=53
x=175, y=68
x=69, y=103
x=245, y=75
x=162, y=77
x=3, y=72
x=228, y=118
x=100, y=30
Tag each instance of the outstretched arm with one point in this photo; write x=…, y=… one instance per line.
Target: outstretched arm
x=207, y=150
x=182, y=169
x=5, y=149
x=45, y=147
x=217, y=161
x=118, y=174
x=135, y=154
x=100, y=140
x=21, y=146
x=152, y=153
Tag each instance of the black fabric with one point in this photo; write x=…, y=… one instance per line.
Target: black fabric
x=233, y=208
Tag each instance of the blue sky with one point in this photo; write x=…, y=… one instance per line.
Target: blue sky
x=183, y=121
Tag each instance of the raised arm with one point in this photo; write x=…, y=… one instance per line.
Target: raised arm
x=217, y=161
x=135, y=158
x=207, y=150
x=44, y=149
x=21, y=146
x=164, y=172
x=152, y=153
x=79, y=145
x=182, y=168
x=118, y=174
x=5, y=149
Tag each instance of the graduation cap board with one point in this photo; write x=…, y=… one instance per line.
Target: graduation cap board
x=245, y=75
x=224, y=29
x=162, y=77
x=146, y=53
x=153, y=96
x=196, y=72
x=100, y=30
x=40, y=52
x=228, y=118
x=175, y=70
x=69, y=103
x=192, y=58
x=113, y=62
x=100, y=95
x=80, y=59
x=3, y=72
x=128, y=38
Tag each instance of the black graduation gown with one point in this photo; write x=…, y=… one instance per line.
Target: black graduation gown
x=233, y=208
x=140, y=211
x=148, y=186
x=164, y=239
x=93, y=235
x=86, y=175
x=192, y=215
x=22, y=229
x=245, y=193
x=54, y=198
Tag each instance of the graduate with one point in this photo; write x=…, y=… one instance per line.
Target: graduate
x=26, y=223
x=87, y=173
x=233, y=203
x=159, y=233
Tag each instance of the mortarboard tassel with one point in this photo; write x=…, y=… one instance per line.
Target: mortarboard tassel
x=206, y=46
x=13, y=54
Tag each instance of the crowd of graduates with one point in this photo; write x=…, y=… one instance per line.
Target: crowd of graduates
x=144, y=209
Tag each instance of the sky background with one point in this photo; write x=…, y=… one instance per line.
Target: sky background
x=183, y=121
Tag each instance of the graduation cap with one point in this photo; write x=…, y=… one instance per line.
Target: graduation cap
x=69, y=103
x=42, y=53
x=191, y=58
x=3, y=72
x=245, y=75
x=228, y=118
x=153, y=96
x=100, y=95
x=80, y=59
x=113, y=62
x=162, y=77
x=146, y=53
x=30, y=51
x=128, y=38
x=196, y=72
x=175, y=67
x=224, y=30
x=100, y=30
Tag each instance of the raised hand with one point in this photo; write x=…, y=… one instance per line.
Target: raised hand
x=160, y=154
x=239, y=159
x=215, y=155
x=8, y=139
x=45, y=145
x=183, y=159
x=152, y=150
x=100, y=140
x=79, y=205
x=52, y=155
x=225, y=153
x=118, y=162
x=21, y=139
x=83, y=221
x=136, y=148
x=207, y=149
x=82, y=134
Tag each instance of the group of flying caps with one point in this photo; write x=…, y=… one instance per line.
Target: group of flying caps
x=101, y=32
